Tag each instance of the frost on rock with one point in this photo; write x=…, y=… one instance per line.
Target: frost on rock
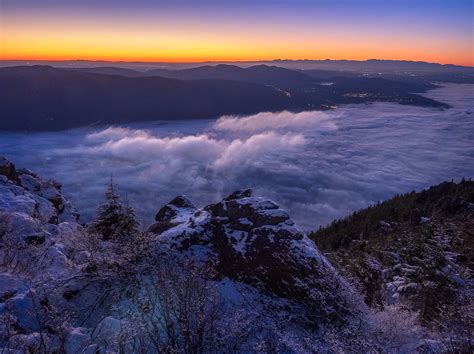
x=252, y=240
x=234, y=276
x=30, y=250
x=23, y=191
x=172, y=214
x=8, y=170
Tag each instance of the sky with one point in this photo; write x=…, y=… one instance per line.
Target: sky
x=189, y=31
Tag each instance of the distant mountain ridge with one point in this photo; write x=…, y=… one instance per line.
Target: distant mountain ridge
x=261, y=74
x=47, y=98
x=372, y=65
x=306, y=64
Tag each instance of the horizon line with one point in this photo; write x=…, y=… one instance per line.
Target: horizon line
x=233, y=61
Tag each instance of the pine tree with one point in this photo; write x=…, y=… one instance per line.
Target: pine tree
x=115, y=220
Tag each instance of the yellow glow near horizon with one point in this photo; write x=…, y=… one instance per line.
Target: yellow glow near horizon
x=32, y=38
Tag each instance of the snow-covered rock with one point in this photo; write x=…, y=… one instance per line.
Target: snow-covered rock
x=31, y=249
x=22, y=191
x=8, y=169
x=107, y=331
x=260, y=283
x=251, y=240
x=77, y=340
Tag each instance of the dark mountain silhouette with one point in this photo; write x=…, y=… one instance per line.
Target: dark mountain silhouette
x=308, y=89
x=45, y=98
x=111, y=70
x=372, y=65
x=261, y=74
x=289, y=75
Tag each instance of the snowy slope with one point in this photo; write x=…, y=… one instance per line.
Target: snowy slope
x=234, y=276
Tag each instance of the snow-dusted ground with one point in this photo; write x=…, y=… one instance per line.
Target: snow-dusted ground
x=317, y=165
x=62, y=287
x=237, y=275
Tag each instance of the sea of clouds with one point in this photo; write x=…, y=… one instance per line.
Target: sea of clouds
x=318, y=165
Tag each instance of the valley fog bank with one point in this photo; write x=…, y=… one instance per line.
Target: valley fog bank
x=317, y=165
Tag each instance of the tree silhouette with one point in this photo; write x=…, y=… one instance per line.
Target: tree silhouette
x=115, y=220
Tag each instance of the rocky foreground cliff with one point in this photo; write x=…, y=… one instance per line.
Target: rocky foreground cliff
x=234, y=276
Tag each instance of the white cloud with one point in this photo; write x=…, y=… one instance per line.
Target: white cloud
x=114, y=133
x=141, y=145
x=312, y=169
x=316, y=120
x=240, y=152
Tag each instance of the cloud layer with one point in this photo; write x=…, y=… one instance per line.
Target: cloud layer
x=285, y=120
x=318, y=165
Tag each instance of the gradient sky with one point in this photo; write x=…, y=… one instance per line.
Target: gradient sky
x=160, y=30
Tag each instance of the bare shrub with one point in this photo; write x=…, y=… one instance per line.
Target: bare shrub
x=456, y=324
x=8, y=246
x=178, y=309
x=396, y=329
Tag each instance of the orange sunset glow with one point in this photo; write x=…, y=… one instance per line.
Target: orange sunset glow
x=189, y=35
x=236, y=176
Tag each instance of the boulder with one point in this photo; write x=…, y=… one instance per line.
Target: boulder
x=8, y=170
x=77, y=340
x=172, y=214
x=174, y=208
x=252, y=240
x=22, y=190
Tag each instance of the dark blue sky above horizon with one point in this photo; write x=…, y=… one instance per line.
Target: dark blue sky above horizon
x=434, y=30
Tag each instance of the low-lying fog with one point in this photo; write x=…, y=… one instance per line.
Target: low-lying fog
x=318, y=165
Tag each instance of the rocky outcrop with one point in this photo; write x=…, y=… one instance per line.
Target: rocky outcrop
x=8, y=170
x=172, y=214
x=251, y=240
x=65, y=287
x=35, y=219
x=62, y=285
x=23, y=191
x=31, y=209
